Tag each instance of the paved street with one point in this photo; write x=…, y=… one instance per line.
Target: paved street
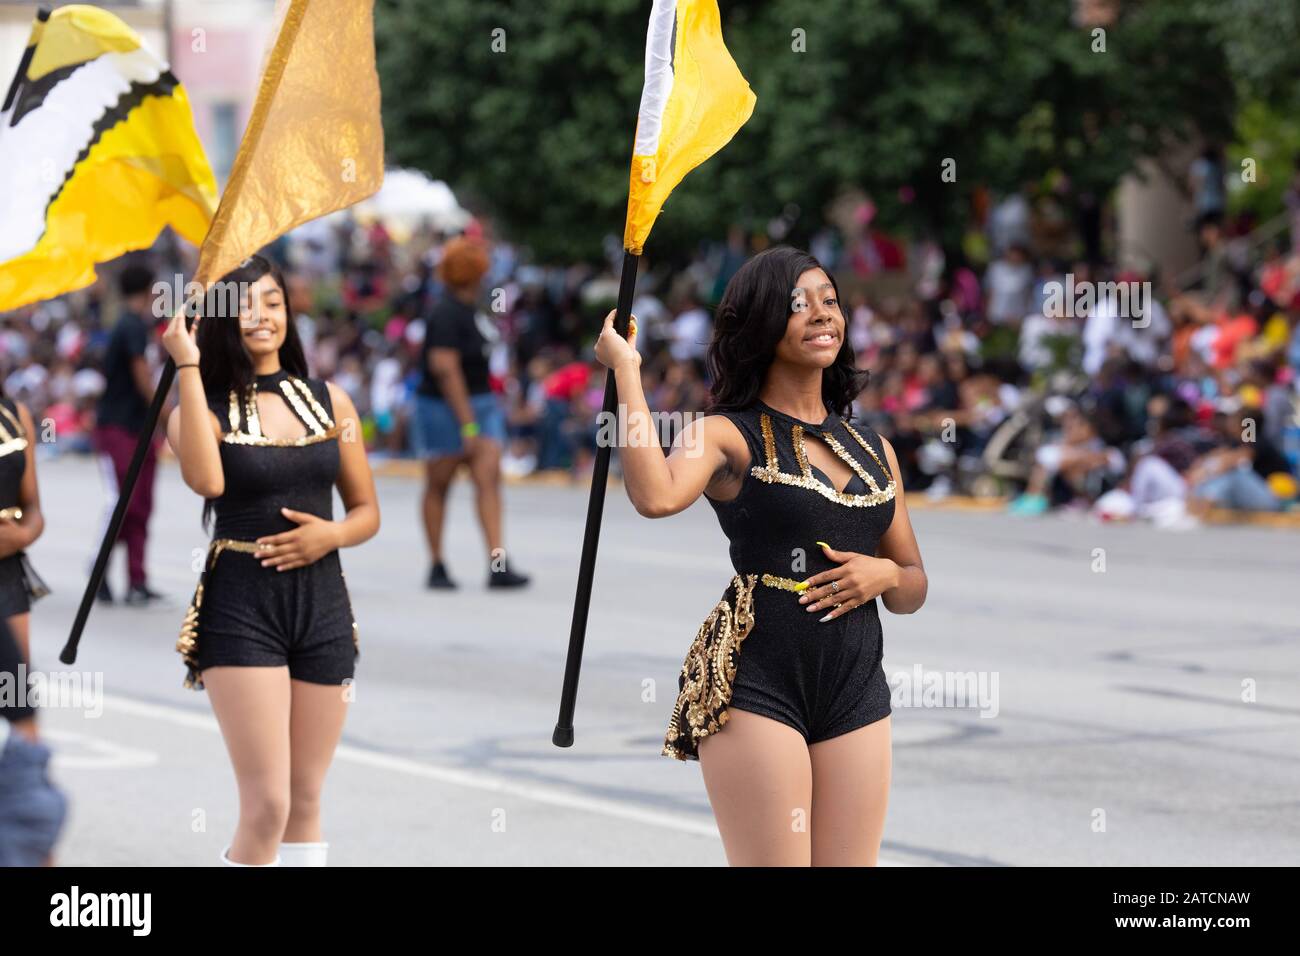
x=1120, y=736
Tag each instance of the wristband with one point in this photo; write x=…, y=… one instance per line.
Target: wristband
x=469, y=430
x=187, y=365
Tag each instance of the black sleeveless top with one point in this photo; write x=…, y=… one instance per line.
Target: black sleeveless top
x=262, y=474
x=786, y=503
x=13, y=454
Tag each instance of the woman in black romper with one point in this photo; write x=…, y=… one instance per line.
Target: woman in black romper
x=270, y=633
x=21, y=522
x=789, y=662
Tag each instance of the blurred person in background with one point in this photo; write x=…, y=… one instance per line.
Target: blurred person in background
x=1078, y=466
x=121, y=416
x=32, y=811
x=458, y=419
x=1236, y=473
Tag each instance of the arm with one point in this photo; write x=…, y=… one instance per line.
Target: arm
x=316, y=537
x=193, y=432
x=898, y=545
x=29, y=493
x=707, y=454
x=444, y=363
x=18, y=535
x=356, y=484
x=895, y=574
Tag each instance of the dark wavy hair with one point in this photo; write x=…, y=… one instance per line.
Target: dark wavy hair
x=749, y=322
x=223, y=363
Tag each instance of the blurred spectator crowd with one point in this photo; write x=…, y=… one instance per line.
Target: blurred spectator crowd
x=1025, y=365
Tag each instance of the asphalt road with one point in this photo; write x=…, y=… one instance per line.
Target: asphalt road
x=1143, y=701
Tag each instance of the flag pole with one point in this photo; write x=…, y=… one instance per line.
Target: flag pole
x=42, y=15
x=563, y=735
x=69, y=653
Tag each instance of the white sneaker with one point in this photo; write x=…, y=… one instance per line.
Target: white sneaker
x=225, y=858
x=303, y=854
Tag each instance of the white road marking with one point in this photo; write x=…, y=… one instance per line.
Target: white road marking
x=103, y=754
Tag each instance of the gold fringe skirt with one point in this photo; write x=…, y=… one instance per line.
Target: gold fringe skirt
x=188, y=642
x=704, y=686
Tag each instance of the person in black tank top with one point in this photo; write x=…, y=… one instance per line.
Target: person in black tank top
x=784, y=683
x=270, y=632
x=21, y=521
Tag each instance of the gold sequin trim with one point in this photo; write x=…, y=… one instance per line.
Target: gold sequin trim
x=11, y=441
x=709, y=671
x=319, y=424
x=313, y=424
x=239, y=438
x=772, y=473
x=316, y=407
x=785, y=584
x=187, y=644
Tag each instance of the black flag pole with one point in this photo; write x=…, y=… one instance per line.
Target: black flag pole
x=42, y=15
x=69, y=653
x=563, y=735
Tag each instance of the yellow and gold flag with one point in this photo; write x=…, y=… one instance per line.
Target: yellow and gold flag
x=97, y=154
x=694, y=100
x=314, y=142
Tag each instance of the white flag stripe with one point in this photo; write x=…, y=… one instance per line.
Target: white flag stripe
x=658, y=77
x=56, y=132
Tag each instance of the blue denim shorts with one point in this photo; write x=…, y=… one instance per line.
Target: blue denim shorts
x=435, y=430
x=32, y=811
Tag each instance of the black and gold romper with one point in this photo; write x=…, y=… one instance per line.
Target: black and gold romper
x=759, y=649
x=19, y=582
x=244, y=614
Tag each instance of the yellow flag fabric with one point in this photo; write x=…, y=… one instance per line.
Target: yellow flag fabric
x=314, y=142
x=98, y=154
x=693, y=102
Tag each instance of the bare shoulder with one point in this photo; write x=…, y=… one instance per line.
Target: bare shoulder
x=25, y=417
x=340, y=399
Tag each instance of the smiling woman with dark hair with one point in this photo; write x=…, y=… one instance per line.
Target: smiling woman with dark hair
x=782, y=697
x=270, y=633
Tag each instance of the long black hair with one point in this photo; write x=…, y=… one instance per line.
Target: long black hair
x=223, y=362
x=752, y=318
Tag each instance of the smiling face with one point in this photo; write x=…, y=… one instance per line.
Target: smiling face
x=263, y=320
x=815, y=330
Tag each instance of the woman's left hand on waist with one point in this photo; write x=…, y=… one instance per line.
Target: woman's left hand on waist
x=858, y=579
x=306, y=544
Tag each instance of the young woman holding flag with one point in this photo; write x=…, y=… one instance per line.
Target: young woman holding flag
x=788, y=663
x=270, y=633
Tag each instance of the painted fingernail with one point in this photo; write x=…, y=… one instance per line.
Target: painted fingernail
x=823, y=544
x=801, y=586
x=804, y=599
x=826, y=618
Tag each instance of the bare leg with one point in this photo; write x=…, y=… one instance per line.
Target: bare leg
x=252, y=706
x=759, y=780
x=315, y=726
x=850, y=795
x=485, y=468
x=438, y=473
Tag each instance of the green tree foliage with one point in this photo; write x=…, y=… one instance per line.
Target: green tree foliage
x=539, y=134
